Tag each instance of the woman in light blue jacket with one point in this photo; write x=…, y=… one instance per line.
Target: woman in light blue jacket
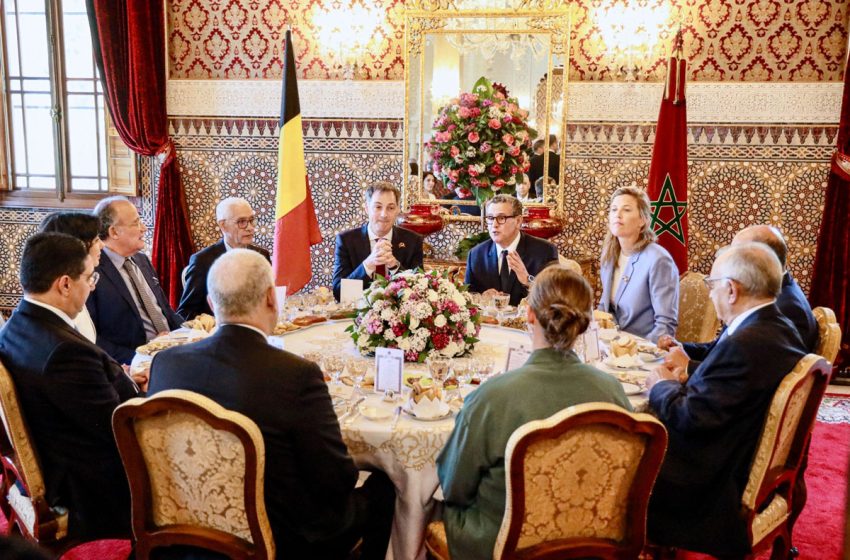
x=640, y=281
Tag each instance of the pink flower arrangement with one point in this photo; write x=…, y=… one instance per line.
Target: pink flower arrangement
x=482, y=142
x=418, y=312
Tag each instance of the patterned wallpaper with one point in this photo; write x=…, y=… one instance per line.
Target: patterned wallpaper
x=737, y=176
x=724, y=40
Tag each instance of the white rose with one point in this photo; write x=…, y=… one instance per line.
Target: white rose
x=440, y=321
x=404, y=344
x=414, y=323
x=470, y=327
x=387, y=314
x=458, y=298
x=451, y=350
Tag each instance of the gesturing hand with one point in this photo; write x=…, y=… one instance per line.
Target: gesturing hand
x=515, y=263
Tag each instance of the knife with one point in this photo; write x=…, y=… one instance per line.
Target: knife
x=354, y=412
x=351, y=409
x=396, y=418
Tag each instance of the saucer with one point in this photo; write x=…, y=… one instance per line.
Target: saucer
x=375, y=413
x=631, y=389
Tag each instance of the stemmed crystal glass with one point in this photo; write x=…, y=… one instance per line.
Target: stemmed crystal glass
x=357, y=369
x=500, y=302
x=333, y=365
x=438, y=366
x=485, y=367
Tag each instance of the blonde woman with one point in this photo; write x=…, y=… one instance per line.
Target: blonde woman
x=640, y=281
x=472, y=464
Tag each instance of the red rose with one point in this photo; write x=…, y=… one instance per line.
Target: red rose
x=495, y=124
x=473, y=137
x=496, y=169
x=508, y=139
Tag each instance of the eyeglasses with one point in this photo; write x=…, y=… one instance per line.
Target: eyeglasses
x=93, y=278
x=243, y=223
x=499, y=219
x=709, y=281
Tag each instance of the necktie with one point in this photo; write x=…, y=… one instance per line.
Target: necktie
x=150, y=306
x=381, y=268
x=505, y=274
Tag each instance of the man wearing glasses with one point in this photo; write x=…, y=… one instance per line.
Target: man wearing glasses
x=237, y=222
x=129, y=307
x=68, y=388
x=714, y=418
x=507, y=263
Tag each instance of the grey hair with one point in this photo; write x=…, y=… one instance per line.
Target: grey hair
x=224, y=209
x=516, y=205
x=754, y=266
x=105, y=213
x=237, y=283
x=767, y=234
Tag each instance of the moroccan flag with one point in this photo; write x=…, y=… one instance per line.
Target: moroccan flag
x=668, y=172
x=296, y=227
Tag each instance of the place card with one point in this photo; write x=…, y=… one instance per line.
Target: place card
x=388, y=369
x=351, y=290
x=591, y=344
x=280, y=296
x=517, y=356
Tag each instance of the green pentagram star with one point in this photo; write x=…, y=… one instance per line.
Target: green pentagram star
x=667, y=199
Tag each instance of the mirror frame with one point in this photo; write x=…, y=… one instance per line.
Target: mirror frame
x=439, y=17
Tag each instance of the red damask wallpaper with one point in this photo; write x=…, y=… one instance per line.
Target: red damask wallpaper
x=725, y=40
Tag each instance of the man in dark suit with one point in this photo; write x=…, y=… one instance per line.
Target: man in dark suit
x=237, y=222
x=313, y=507
x=715, y=417
x=535, y=171
x=129, y=307
x=379, y=247
x=68, y=388
x=507, y=262
x=791, y=300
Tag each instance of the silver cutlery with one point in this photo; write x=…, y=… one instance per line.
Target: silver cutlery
x=396, y=418
x=352, y=408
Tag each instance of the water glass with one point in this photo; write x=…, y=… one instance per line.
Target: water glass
x=462, y=368
x=485, y=367
x=438, y=366
x=333, y=364
x=500, y=302
x=357, y=370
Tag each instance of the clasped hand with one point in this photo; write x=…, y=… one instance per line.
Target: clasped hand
x=382, y=254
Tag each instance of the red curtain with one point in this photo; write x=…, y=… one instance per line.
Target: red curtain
x=831, y=277
x=128, y=37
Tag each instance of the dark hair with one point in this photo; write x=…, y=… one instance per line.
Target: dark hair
x=561, y=301
x=16, y=548
x=83, y=226
x=104, y=211
x=537, y=145
x=48, y=256
x=382, y=186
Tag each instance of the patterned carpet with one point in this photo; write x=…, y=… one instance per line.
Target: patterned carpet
x=819, y=531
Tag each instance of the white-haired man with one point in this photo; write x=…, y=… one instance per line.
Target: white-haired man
x=238, y=223
x=714, y=418
x=314, y=509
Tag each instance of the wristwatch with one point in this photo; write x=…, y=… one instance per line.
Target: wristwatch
x=530, y=280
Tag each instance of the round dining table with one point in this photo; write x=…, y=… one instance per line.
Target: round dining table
x=397, y=443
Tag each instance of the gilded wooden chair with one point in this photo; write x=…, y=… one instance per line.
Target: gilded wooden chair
x=196, y=475
x=829, y=333
x=578, y=485
x=698, y=320
x=23, y=499
x=768, y=495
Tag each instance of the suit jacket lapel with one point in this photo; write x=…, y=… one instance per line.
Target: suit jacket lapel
x=153, y=283
x=362, y=247
x=117, y=280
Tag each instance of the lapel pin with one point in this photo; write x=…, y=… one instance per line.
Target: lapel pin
x=401, y=245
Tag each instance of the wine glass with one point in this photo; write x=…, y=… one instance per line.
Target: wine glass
x=438, y=366
x=500, y=302
x=486, y=365
x=357, y=369
x=333, y=364
x=462, y=368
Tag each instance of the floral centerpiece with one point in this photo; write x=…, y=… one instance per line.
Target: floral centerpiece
x=482, y=142
x=418, y=312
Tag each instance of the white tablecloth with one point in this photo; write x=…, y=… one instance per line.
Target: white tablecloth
x=408, y=453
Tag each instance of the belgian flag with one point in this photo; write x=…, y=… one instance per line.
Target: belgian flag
x=296, y=227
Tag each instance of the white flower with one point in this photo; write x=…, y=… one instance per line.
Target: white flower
x=470, y=327
x=470, y=152
x=387, y=314
x=433, y=296
x=404, y=344
x=458, y=298
x=389, y=334
x=423, y=333
x=495, y=112
x=414, y=323
x=440, y=321
x=451, y=350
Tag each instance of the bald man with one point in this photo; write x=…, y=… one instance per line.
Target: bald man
x=313, y=506
x=238, y=223
x=791, y=300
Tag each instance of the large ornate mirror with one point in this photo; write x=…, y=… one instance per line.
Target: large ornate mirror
x=450, y=52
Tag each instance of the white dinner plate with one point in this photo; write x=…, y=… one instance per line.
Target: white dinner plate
x=375, y=413
x=631, y=389
x=413, y=415
x=608, y=335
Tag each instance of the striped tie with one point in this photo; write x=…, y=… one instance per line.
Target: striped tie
x=150, y=307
